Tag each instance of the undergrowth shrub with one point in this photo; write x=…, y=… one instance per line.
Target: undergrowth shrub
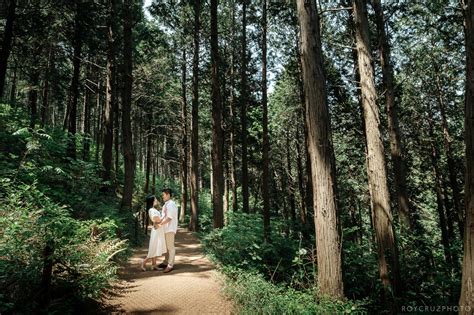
x=240, y=244
x=253, y=294
x=37, y=234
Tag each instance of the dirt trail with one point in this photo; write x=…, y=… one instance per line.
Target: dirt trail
x=191, y=288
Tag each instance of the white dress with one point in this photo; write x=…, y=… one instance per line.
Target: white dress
x=157, y=246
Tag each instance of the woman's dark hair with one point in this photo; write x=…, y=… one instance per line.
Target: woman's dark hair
x=150, y=199
x=168, y=191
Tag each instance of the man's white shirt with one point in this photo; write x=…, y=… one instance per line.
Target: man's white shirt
x=171, y=211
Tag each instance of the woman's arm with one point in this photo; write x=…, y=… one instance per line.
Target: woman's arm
x=156, y=219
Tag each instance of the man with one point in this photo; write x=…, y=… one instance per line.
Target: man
x=170, y=224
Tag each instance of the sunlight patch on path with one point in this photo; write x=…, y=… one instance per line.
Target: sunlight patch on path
x=193, y=287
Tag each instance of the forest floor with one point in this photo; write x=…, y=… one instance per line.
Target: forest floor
x=193, y=287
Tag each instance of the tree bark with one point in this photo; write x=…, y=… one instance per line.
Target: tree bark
x=99, y=111
x=148, y=167
x=148, y=153
x=467, y=288
x=87, y=117
x=301, y=183
x=184, y=141
x=6, y=44
x=455, y=215
x=193, y=224
x=233, y=176
x=33, y=97
x=154, y=165
x=217, y=124
x=243, y=111
x=116, y=135
x=308, y=185
x=282, y=201
x=328, y=243
x=74, y=96
x=445, y=238
x=266, y=141
x=14, y=82
x=128, y=150
x=110, y=101
x=396, y=146
x=376, y=167
x=290, y=190
x=45, y=98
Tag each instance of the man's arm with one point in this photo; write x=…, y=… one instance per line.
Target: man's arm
x=165, y=220
x=156, y=219
x=170, y=216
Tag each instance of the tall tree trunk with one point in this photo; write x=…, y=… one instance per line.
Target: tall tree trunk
x=449, y=208
x=193, y=224
x=217, y=124
x=74, y=96
x=308, y=185
x=211, y=187
x=266, y=141
x=45, y=98
x=148, y=167
x=183, y=172
x=14, y=81
x=455, y=215
x=6, y=44
x=289, y=182
x=396, y=147
x=87, y=117
x=328, y=243
x=354, y=55
x=408, y=215
x=467, y=288
x=280, y=192
x=434, y=156
x=33, y=97
x=99, y=111
x=376, y=167
x=243, y=111
x=110, y=101
x=226, y=187
x=233, y=176
x=116, y=138
x=301, y=183
x=148, y=152
x=225, y=127
x=128, y=151
x=154, y=165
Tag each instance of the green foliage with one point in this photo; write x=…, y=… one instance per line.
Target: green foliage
x=274, y=277
x=38, y=156
x=52, y=212
x=205, y=212
x=437, y=285
x=255, y=295
x=241, y=244
x=82, y=252
x=361, y=277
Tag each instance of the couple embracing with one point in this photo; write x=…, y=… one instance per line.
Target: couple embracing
x=165, y=225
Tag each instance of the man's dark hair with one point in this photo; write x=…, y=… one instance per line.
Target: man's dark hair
x=168, y=191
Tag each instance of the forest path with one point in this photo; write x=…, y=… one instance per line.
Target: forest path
x=192, y=287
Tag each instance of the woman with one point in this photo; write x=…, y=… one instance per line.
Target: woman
x=157, y=246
